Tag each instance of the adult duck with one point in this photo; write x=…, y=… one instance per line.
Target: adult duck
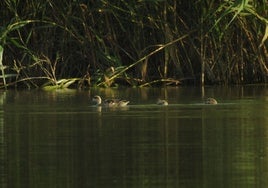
x=109, y=102
x=211, y=101
x=162, y=102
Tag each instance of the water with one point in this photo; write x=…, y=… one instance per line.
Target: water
x=57, y=139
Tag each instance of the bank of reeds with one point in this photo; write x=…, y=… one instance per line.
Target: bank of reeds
x=140, y=43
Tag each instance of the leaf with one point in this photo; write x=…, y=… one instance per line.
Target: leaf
x=265, y=36
x=8, y=75
x=60, y=84
x=68, y=83
x=14, y=26
x=1, y=55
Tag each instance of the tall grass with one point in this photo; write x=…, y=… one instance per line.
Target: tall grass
x=115, y=42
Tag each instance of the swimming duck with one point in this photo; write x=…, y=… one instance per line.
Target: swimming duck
x=162, y=102
x=211, y=101
x=109, y=102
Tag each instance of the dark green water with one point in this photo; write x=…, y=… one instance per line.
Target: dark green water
x=57, y=139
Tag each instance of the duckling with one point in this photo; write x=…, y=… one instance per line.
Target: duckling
x=109, y=102
x=211, y=101
x=162, y=102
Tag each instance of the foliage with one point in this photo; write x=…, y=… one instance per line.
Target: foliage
x=61, y=84
x=109, y=43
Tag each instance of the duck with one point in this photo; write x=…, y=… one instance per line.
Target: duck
x=109, y=102
x=211, y=101
x=162, y=102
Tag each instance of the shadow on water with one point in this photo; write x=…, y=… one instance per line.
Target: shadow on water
x=58, y=139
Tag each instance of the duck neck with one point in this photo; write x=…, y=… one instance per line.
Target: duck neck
x=99, y=101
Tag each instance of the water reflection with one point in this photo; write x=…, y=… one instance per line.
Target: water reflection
x=235, y=151
x=109, y=109
x=61, y=140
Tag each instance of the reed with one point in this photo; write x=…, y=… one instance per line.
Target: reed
x=110, y=43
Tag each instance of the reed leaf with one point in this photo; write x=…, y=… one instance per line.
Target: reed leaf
x=11, y=27
x=2, y=66
x=265, y=36
x=60, y=84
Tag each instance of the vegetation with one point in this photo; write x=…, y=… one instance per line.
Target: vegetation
x=109, y=43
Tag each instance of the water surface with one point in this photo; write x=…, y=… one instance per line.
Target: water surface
x=58, y=139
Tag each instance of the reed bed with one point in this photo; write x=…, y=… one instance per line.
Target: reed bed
x=111, y=43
